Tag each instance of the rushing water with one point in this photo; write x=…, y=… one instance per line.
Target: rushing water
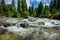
x=39, y=23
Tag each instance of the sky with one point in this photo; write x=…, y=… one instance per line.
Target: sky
x=30, y=2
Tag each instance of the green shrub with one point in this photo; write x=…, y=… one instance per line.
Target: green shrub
x=16, y=14
x=25, y=14
x=9, y=14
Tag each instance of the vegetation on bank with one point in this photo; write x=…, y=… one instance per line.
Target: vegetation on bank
x=13, y=36
x=10, y=10
x=10, y=36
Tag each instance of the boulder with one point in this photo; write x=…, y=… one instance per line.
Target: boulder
x=2, y=31
x=55, y=23
x=24, y=25
x=6, y=24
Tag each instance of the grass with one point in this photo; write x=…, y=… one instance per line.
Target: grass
x=10, y=36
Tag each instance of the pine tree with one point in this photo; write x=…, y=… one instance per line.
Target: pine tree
x=0, y=8
x=58, y=4
x=54, y=3
x=46, y=11
x=3, y=5
x=13, y=5
x=51, y=6
x=24, y=5
x=40, y=9
x=19, y=6
x=30, y=10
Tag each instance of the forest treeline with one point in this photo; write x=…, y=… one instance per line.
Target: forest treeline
x=10, y=10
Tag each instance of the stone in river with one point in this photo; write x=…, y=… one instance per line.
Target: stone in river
x=24, y=25
x=2, y=30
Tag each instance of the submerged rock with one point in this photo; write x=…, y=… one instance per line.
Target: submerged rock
x=55, y=23
x=40, y=23
x=32, y=19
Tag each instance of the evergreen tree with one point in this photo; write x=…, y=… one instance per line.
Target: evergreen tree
x=24, y=5
x=54, y=3
x=46, y=11
x=19, y=6
x=13, y=5
x=51, y=6
x=40, y=9
x=30, y=10
x=58, y=4
x=3, y=6
x=0, y=8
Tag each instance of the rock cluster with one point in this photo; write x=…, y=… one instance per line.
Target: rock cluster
x=5, y=24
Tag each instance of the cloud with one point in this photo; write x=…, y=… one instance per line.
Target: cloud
x=28, y=3
x=8, y=2
x=38, y=0
x=47, y=4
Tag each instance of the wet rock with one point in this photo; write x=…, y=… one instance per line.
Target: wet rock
x=2, y=30
x=6, y=24
x=24, y=25
x=55, y=23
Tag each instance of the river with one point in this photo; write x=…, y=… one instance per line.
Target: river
x=36, y=26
